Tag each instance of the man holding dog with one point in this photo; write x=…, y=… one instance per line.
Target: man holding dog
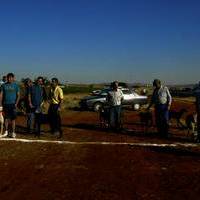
x=9, y=98
x=162, y=100
x=114, y=98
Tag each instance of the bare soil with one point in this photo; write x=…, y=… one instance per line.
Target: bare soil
x=44, y=171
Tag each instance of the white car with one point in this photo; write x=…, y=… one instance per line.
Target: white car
x=130, y=98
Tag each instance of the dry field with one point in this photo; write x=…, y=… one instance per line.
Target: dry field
x=72, y=100
x=94, y=163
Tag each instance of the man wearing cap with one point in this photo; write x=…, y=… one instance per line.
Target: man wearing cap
x=162, y=100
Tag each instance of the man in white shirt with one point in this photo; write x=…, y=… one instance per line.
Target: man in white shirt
x=162, y=100
x=114, y=98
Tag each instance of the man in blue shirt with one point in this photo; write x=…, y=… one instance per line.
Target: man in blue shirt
x=9, y=98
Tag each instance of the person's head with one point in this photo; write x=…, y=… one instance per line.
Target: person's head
x=28, y=82
x=10, y=77
x=114, y=85
x=157, y=83
x=54, y=82
x=40, y=80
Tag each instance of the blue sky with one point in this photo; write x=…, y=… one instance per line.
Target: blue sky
x=101, y=40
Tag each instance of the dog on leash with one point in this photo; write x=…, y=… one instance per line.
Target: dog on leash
x=177, y=115
x=1, y=120
x=146, y=119
x=191, y=123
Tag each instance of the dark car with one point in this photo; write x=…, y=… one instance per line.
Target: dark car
x=95, y=102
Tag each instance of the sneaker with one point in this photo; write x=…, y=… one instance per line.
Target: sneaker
x=13, y=135
x=5, y=134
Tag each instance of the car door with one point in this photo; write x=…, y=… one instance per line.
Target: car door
x=128, y=97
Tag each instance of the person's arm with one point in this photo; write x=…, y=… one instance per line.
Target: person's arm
x=18, y=96
x=61, y=97
x=169, y=98
x=151, y=101
x=1, y=96
x=122, y=96
x=29, y=98
x=17, y=100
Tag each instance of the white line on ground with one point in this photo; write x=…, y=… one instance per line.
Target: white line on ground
x=102, y=143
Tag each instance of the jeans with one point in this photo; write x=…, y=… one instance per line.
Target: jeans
x=162, y=119
x=30, y=121
x=32, y=117
x=115, y=116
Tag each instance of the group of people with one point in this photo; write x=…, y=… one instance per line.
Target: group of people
x=161, y=100
x=35, y=95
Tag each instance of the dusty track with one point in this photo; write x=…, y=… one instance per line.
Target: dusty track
x=92, y=163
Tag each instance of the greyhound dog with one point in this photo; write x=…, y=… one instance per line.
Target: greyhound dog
x=177, y=115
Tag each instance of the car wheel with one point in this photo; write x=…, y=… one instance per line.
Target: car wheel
x=97, y=106
x=136, y=106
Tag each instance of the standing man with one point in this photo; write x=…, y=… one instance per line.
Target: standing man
x=114, y=98
x=27, y=86
x=9, y=98
x=56, y=99
x=197, y=95
x=162, y=100
x=36, y=95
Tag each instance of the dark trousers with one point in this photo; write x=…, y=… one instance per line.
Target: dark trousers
x=162, y=119
x=55, y=119
x=198, y=125
x=115, y=116
x=198, y=115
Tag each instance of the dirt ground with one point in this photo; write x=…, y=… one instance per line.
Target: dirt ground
x=100, y=171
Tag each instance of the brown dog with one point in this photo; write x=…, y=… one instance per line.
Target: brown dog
x=177, y=115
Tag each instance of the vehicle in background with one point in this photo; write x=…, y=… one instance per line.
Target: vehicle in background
x=95, y=102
